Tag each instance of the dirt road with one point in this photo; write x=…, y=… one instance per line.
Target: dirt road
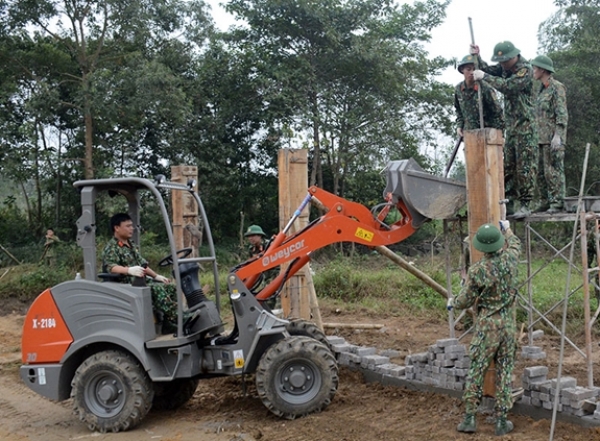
x=220, y=411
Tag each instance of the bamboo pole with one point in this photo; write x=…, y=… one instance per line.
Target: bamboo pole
x=10, y=255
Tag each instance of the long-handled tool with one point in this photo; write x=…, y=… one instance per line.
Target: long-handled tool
x=479, y=101
x=453, y=156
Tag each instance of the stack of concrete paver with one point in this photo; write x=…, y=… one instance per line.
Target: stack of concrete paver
x=445, y=365
x=539, y=391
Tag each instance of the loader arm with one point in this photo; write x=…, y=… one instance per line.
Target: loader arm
x=345, y=221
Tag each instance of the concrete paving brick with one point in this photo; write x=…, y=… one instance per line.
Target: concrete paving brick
x=421, y=357
x=536, y=402
x=446, y=342
x=341, y=347
x=535, y=371
x=335, y=340
x=392, y=353
x=538, y=333
x=373, y=360
x=565, y=382
x=363, y=352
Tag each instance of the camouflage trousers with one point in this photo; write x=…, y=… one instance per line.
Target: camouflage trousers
x=520, y=166
x=164, y=299
x=494, y=340
x=551, y=182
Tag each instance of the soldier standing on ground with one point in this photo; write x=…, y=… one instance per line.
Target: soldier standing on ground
x=552, y=119
x=491, y=289
x=50, y=247
x=513, y=77
x=466, y=101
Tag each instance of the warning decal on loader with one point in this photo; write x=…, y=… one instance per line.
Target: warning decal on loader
x=364, y=234
x=238, y=357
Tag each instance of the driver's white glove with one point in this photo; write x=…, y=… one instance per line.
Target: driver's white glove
x=136, y=271
x=161, y=279
x=478, y=75
x=474, y=49
x=459, y=131
x=450, y=303
x=556, y=142
x=504, y=225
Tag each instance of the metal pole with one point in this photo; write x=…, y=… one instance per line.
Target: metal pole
x=479, y=100
x=586, y=298
x=448, y=278
x=564, y=315
x=529, y=288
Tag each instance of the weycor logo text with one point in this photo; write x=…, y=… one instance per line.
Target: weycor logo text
x=284, y=253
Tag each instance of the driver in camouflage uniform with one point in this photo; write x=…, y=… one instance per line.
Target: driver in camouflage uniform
x=552, y=119
x=121, y=256
x=513, y=77
x=466, y=101
x=491, y=289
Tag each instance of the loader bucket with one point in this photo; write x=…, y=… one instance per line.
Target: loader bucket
x=426, y=196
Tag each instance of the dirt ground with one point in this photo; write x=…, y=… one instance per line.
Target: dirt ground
x=220, y=411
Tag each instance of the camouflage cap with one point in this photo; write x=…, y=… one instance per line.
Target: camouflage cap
x=504, y=51
x=543, y=62
x=467, y=59
x=254, y=230
x=488, y=239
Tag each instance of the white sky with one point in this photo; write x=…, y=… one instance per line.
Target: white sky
x=493, y=21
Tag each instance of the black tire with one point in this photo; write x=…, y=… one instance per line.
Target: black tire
x=173, y=394
x=111, y=392
x=297, y=376
x=307, y=329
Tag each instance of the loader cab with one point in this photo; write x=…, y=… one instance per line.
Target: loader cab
x=185, y=269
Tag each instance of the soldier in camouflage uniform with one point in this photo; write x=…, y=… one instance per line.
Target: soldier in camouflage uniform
x=491, y=289
x=466, y=101
x=121, y=256
x=552, y=119
x=513, y=77
x=257, y=240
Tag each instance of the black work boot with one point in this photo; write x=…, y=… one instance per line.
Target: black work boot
x=468, y=425
x=503, y=426
x=555, y=208
x=523, y=212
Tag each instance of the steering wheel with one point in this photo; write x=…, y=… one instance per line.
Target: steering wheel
x=181, y=254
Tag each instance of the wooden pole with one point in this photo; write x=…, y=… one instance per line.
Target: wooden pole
x=485, y=189
x=298, y=297
x=186, y=231
x=10, y=255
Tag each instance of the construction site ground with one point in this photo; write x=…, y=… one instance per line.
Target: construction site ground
x=221, y=410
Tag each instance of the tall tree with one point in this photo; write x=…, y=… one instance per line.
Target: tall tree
x=355, y=72
x=99, y=34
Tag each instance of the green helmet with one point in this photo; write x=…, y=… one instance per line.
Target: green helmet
x=488, y=239
x=504, y=51
x=467, y=59
x=254, y=230
x=544, y=62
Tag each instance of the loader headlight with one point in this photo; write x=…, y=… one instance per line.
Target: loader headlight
x=160, y=179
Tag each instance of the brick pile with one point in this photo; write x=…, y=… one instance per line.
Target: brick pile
x=445, y=365
x=575, y=400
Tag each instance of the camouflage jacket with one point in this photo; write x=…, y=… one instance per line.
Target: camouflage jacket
x=122, y=254
x=491, y=283
x=255, y=250
x=467, y=107
x=551, y=111
x=516, y=85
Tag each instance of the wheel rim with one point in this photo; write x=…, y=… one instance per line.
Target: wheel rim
x=298, y=381
x=105, y=394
